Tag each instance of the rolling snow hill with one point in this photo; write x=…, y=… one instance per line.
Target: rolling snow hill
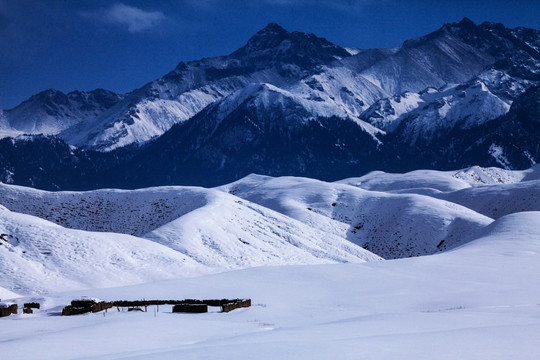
x=390, y=225
x=493, y=192
x=441, y=181
x=180, y=232
x=391, y=215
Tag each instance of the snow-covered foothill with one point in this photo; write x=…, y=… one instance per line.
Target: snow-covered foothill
x=390, y=225
x=418, y=181
x=231, y=233
x=498, y=200
x=433, y=182
x=187, y=230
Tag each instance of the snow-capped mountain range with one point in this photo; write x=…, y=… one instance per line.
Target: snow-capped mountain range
x=290, y=103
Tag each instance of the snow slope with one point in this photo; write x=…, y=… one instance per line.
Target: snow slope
x=187, y=230
x=5, y=129
x=239, y=234
x=499, y=200
x=256, y=221
x=435, y=182
x=479, y=301
x=52, y=111
x=134, y=212
x=392, y=215
x=39, y=257
x=6, y=294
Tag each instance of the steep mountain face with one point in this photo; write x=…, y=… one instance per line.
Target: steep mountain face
x=515, y=51
x=456, y=53
x=5, y=129
x=434, y=60
x=259, y=129
x=513, y=139
x=290, y=103
x=508, y=141
x=426, y=114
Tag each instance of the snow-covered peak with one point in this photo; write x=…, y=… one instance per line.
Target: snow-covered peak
x=456, y=79
x=51, y=111
x=293, y=106
x=464, y=25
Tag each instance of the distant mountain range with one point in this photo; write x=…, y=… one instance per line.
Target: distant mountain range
x=290, y=103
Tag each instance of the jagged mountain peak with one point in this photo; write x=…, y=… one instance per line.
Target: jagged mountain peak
x=47, y=93
x=272, y=28
x=463, y=28
x=493, y=37
x=466, y=22
x=47, y=96
x=270, y=36
x=482, y=36
x=273, y=44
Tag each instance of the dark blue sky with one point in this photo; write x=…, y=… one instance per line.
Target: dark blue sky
x=121, y=45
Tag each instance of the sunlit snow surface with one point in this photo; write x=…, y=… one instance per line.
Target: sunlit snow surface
x=477, y=300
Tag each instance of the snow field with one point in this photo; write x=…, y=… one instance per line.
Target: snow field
x=479, y=301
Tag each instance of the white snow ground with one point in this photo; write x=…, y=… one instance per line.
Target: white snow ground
x=480, y=300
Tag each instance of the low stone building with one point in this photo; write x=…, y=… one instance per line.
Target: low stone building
x=7, y=309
